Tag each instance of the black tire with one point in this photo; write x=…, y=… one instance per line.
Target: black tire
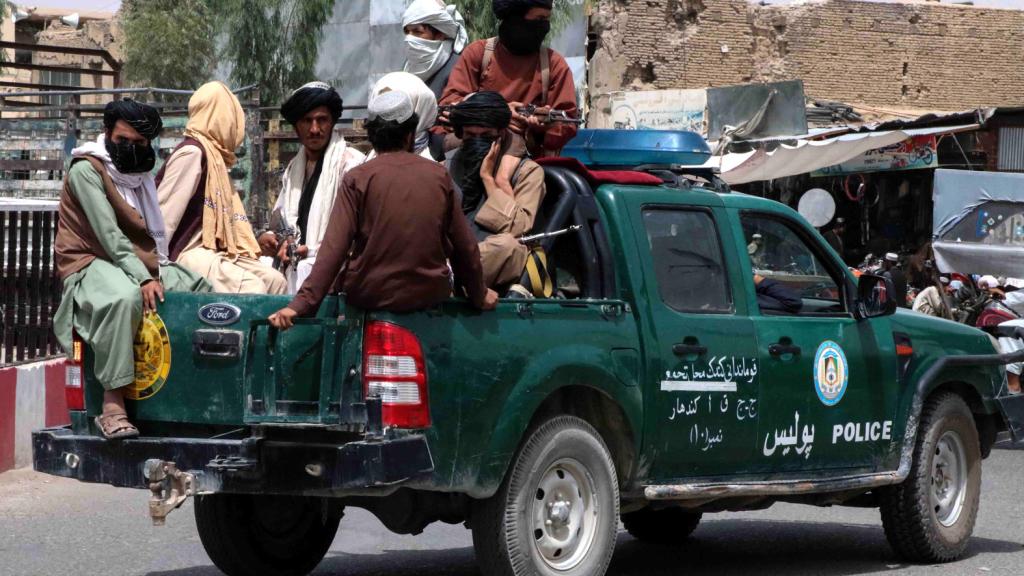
x=909, y=511
x=668, y=526
x=562, y=462
x=248, y=535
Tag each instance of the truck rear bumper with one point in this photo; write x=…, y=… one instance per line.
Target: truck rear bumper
x=250, y=465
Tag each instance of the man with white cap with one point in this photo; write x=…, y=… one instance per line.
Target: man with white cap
x=435, y=36
x=395, y=225
x=892, y=271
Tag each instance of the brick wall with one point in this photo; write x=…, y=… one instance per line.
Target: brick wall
x=901, y=56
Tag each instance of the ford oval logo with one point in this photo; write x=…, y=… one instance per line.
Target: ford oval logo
x=219, y=314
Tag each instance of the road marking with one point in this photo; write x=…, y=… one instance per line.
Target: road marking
x=692, y=386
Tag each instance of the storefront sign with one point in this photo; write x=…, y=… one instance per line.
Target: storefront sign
x=660, y=110
x=911, y=154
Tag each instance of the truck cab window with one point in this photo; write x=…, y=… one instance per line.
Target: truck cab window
x=687, y=260
x=778, y=253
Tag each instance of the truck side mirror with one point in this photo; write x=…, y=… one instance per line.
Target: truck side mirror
x=875, y=296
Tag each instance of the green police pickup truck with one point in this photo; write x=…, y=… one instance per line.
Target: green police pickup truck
x=655, y=386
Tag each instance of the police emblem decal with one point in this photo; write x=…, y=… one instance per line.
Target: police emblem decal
x=831, y=373
x=152, y=358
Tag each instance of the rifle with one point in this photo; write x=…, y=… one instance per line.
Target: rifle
x=547, y=115
x=534, y=239
x=285, y=234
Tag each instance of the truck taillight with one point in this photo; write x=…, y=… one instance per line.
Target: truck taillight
x=73, y=375
x=393, y=370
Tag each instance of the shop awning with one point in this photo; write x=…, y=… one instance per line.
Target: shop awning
x=810, y=155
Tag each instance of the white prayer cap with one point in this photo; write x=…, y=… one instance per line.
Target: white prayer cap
x=892, y=257
x=392, y=105
x=988, y=281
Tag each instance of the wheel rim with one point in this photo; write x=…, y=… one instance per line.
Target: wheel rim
x=949, y=478
x=564, y=514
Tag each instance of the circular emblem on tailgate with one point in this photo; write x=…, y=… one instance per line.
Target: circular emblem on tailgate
x=831, y=373
x=152, y=358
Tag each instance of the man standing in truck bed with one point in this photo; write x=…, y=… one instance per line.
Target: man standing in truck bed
x=395, y=221
x=111, y=252
x=524, y=72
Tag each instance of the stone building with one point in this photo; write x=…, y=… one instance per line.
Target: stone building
x=899, y=56
x=43, y=27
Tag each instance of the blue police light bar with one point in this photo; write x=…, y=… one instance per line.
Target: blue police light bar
x=628, y=148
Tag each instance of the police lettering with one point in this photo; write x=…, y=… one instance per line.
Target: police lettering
x=862, y=432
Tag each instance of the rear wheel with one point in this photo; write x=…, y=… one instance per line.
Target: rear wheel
x=931, y=515
x=557, y=510
x=271, y=535
x=666, y=526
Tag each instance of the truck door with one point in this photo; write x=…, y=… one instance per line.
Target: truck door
x=828, y=382
x=702, y=406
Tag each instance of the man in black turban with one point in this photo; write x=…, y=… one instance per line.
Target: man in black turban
x=310, y=181
x=500, y=212
x=111, y=254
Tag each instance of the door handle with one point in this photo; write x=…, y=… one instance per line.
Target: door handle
x=689, y=349
x=217, y=344
x=783, y=349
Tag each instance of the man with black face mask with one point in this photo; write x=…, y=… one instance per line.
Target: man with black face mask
x=111, y=252
x=516, y=65
x=499, y=212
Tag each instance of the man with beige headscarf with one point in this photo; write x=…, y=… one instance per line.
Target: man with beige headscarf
x=209, y=231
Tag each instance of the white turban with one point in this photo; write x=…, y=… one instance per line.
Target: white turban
x=445, y=19
x=425, y=58
x=423, y=101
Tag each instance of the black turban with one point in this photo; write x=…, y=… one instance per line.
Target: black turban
x=506, y=8
x=144, y=118
x=487, y=109
x=310, y=96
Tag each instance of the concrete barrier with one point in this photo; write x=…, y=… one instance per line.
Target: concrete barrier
x=31, y=397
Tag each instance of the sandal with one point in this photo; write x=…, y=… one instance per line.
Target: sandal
x=116, y=426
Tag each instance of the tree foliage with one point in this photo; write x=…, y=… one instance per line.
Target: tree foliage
x=168, y=43
x=274, y=43
x=481, y=23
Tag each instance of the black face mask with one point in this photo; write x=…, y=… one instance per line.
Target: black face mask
x=131, y=158
x=522, y=36
x=471, y=155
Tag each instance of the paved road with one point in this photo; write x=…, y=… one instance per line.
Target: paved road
x=52, y=526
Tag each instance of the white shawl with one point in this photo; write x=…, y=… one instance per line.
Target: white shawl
x=138, y=190
x=339, y=158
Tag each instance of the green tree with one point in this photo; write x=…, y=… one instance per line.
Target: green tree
x=481, y=23
x=168, y=43
x=274, y=43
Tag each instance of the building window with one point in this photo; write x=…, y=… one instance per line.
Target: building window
x=52, y=78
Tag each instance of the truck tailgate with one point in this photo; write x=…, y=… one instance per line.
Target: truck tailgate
x=211, y=359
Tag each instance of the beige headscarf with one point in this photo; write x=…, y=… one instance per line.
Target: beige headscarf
x=216, y=120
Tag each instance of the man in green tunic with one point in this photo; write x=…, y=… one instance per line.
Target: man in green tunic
x=111, y=252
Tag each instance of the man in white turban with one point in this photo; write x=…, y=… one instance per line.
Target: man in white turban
x=424, y=104
x=435, y=35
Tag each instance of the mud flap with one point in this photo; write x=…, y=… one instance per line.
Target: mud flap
x=1012, y=408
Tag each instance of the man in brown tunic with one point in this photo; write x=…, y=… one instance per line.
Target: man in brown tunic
x=517, y=66
x=395, y=222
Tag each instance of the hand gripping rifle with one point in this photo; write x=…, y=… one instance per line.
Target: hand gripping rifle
x=547, y=115
x=285, y=234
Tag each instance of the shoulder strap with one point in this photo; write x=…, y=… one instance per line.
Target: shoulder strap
x=545, y=75
x=485, y=63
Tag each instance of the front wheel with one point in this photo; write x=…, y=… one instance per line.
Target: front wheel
x=267, y=535
x=557, y=511
x=930, y=516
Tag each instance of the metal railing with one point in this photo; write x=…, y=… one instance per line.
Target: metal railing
x=29, y=285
